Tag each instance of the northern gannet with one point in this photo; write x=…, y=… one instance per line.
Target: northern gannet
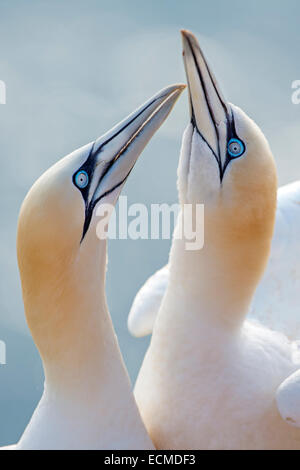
x=277, y=298
x=210, y=378
x=87, y=401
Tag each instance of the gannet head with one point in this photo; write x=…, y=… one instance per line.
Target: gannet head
x=226, y=162
x=57, y=224
x=59, y=209
x=226, y=165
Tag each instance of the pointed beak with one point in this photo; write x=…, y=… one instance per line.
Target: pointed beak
x=112, y=157
x=210, y=113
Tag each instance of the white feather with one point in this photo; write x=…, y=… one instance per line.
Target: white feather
x=277, y=299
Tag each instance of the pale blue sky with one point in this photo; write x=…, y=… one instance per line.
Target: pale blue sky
x=75, y=68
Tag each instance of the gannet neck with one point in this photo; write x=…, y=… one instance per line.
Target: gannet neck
x=218, y=281
x=64, y=296
x=86, y=383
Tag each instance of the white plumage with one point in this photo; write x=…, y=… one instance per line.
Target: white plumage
x=276, y=302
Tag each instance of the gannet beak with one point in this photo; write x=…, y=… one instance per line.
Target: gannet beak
x=112, y=156
x=210, y=113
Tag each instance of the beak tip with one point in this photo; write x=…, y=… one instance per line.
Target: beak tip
x=177, y=89
x=188, y=39
x=172, y=92
x=181, y=87
x=185, y=33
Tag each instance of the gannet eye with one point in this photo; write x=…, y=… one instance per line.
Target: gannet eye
x=235, y=148
x=81, y=179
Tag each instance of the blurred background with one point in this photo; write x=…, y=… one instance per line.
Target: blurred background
x=75, y=68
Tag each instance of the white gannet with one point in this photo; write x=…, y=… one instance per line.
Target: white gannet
x=210, y=378
x=87, y=401
x=277, y=298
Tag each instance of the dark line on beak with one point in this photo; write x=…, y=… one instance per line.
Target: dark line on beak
x=229, y=119
x=205, y=94
x=126, y=125
x=90, y=209
x=193, y=120
x=214, y=85
x=110, y=164
x=194, y=124
x=93, y=155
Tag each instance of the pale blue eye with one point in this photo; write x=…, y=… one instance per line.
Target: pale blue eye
x=81, y=179
x=235, y=148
